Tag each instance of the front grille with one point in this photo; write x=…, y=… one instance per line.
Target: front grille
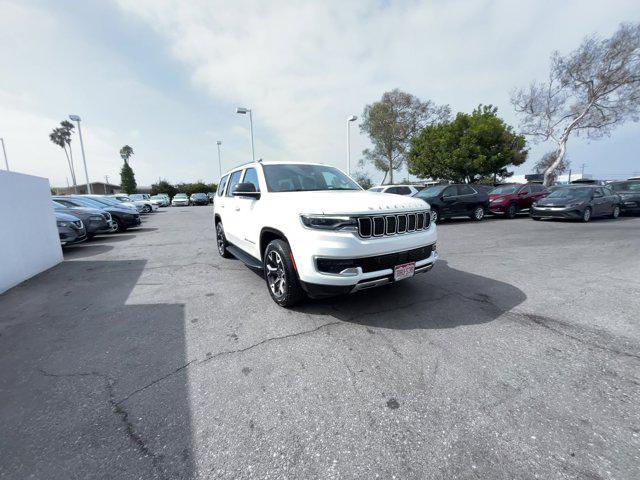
x=373, y=264
x=383, y=225
x=78, y=224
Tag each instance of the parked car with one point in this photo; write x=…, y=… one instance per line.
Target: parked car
x=212, y=196
x=161, y=199
x=95, y=221
x=397, y=189
x=199, y=199
x=588, y=181
x=180, y=200
x=312, y=229
x=581, y=202
x=457, y=200
x=146, y=200
x=124, y=201
x=141, y=205
x=509, y=199
x=629, y=193
x=70, y=229
x=122, y=217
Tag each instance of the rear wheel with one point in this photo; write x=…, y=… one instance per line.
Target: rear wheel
x=119, y=227
x=586, y=214
x=146, y=209
x=536, y=218
x=616, y=211
x=478, y=213
x=280, y=274
x=512, y=210
x=221, y=241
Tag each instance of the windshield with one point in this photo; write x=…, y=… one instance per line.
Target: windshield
x=105, y=200
x=375, y=189
x=432, y=191
x=576, y=192
x=180, y=195
x=504, y=190
x=199, y=195
x=625, y=186
x=88, y=202
x=306, y=178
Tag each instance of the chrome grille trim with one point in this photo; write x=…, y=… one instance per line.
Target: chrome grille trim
x=396, y=224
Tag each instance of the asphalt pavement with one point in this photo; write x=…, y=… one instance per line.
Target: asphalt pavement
x=146, y=355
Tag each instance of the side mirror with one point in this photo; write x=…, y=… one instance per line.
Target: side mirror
x=522, y=192
x=246, y=190
x=597, y=195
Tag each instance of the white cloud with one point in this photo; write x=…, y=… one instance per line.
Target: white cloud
x=304, y=66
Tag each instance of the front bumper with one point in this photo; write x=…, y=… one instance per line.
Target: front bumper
x=70, y=236
x=180, y=204
x=308, y=246
x=630, y=204
x=556, y=212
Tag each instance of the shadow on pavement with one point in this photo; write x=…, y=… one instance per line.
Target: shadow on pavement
x=112, y=237
x=84, y=250
x=82, y=352
x=443, y=298
x=143, y=229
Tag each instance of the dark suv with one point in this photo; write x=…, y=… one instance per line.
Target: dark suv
x=629, y=193
x=458, y=200
x=509, y=199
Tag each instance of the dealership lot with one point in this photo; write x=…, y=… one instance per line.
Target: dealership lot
x=146, y=355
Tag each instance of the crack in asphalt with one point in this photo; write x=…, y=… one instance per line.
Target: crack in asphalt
x=119, y=411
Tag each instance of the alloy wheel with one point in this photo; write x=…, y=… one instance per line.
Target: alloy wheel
x=586, y=216
x=478, y=214
x=434, y=216
x=220, y=239
x=616, y=211
x=276, y=277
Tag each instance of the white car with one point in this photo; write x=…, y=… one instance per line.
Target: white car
x=142, y=206
x=149, y=205
x=409, y=190
x=180, y=200
x=313, y=230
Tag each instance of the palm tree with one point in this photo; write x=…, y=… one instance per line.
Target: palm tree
x=59, y=137
x=67, y=128
x=126, y=152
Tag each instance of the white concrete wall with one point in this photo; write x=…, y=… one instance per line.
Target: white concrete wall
x=29, y=241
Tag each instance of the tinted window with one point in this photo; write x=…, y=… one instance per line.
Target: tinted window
x=305, y=177
x=619, y=187
x=392, y=190
x=234, y=179
x=251, y=176
x=451, y=191
x=465, y=190
x=504, y=190
x=607, y=191
x=223, y=183
x=433, y=191
x=404, y=190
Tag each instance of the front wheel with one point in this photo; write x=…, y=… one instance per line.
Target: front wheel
x=280, y=274
x=616, y=211
x=478, y=213
x=512, y=211
x=221, y=241
x=146, y=209
x=586, y=214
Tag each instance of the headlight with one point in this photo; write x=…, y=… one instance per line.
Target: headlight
x=64, y=224
x=322, y=222
x=499, y=199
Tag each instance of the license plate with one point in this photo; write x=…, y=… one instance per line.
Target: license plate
x=403, y=271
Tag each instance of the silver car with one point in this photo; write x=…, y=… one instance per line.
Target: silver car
x=70, y=229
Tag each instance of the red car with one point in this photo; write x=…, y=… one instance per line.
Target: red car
x=509, y=199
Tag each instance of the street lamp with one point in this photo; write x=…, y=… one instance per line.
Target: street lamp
x=4, y=150
x=76, y=118
x=219, y=142
x=244, y=111
x=350, y=119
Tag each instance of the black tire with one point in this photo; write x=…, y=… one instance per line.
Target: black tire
x=512, y=211
x=280, y=274
x=435, y=215
x=535, y=218
x=119, y=227
x=478, y=213
x=586, y=214
x=221, y=241
x=146, y=209
x=616, y=211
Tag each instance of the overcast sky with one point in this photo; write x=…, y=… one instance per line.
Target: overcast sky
x=165, y=76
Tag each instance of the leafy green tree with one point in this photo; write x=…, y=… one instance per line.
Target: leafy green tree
x=468, y=148
x=163, y=187
x=391, y=122
x=363, y=180
x=128, y=179
x=126, y=152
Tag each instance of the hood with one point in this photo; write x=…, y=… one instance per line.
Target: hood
x=347, y=202
x=122, y=209
x=79, y=210
x=560, y=201
x=65, y=217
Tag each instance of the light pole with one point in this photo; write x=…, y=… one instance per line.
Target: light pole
x=244, y=111
x=350, y=119
x=106, y=177
x=4, y=150
x=219, y=142
x=76, y=118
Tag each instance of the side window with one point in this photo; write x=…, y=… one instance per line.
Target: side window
x=404, y=190
x=537, y=188
x=391, y=190
x=451, y=191
x=465, y=190
x=607, y=191
x=223, y=183
x=599, y=192
x=251, y=176
x=234, y=179
x=526, y=189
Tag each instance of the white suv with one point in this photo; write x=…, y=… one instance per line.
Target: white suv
x=313, y=230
